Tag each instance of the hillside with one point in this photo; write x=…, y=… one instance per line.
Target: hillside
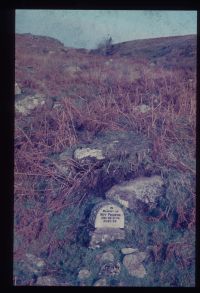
x=178, y=51
x=105, y=158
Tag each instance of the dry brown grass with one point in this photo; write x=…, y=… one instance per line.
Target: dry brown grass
x=96, y=98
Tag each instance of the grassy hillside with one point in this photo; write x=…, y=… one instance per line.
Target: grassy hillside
x=169, y=52
x=87, y=95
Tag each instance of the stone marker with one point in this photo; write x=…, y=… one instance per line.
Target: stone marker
x=108, y=220
x=109, y=216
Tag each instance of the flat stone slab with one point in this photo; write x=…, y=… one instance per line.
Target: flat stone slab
x=83, y=153
x=107, y=215
x=105, y=235
x=145, y=189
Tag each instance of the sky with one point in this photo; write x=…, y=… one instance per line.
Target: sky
x=87, y=28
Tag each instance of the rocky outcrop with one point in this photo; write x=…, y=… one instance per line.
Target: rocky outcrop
x=144, y=189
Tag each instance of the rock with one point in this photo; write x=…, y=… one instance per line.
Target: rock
x=46, y=281
x=84, y=274
x=34, y=263
x=145, y=189
x=128, y=250
x=110, y=269
x=101, y=282
x=133, y=264
x=72, y=70
x=139, y=271
x=106, y=257
x=105, y=235
x=17, y=89
x=87, y=152
x=107, y=215
x=143, y=108
x=29, y=103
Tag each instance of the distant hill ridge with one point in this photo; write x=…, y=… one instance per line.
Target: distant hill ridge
x=168, y=52
x=171, y=51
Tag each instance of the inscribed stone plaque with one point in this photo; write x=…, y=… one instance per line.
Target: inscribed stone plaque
x=109, y=216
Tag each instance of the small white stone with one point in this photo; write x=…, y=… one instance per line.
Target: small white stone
x=84, y=274
x=17, y=89
x=87, y=152
x=143, y=108
x=128, y=250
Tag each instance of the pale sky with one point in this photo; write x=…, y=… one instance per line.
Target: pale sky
x=86, y=28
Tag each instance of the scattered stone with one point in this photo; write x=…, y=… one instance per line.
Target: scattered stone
x=107, y=215
x=145, y=189
x=143, y=108
x=87, y=152
x=33, y=263
x=84, y=274
x=106, y=257
x=46, y=281
x=133, y=264
x=17, y=89
x=72, y=70
x=108, y=220
x=101, y=282
x=128, y=250
x=105, y=235
x=29, y=103
x=110, y=269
